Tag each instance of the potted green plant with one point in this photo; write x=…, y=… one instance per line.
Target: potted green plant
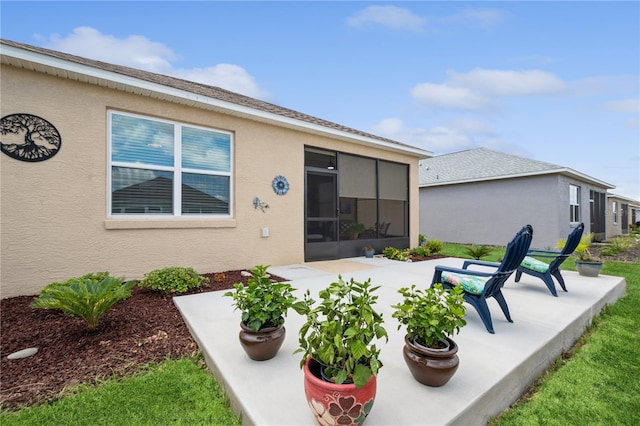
x=339, y=356
x=356, y=229
x=369, y=251
x=264, y=304
x=431, y=317
x=587, y=264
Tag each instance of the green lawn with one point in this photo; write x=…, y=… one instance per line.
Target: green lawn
x=178, y=392
x=599, y=384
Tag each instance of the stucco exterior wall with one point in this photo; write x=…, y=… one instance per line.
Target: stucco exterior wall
x=491, y=212
x=54, y=222
x=614, y=223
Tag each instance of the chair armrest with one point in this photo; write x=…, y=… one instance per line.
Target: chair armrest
x=481, y=263
x=530, y=251
x=440, y=269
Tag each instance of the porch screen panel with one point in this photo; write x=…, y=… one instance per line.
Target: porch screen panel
x=393, y=181
x=357, y=177
x=358, y=199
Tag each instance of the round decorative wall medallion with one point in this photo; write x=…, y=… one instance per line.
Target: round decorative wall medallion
x=280, y=185
x=27, y=137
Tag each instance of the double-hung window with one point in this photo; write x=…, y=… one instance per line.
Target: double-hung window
x=574, y=203
x=159, y=167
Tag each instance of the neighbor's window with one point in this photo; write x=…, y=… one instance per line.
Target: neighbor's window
x=574, y=203
x=614, y=211
x=159, y=167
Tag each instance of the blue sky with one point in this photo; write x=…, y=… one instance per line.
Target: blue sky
x=552, y=81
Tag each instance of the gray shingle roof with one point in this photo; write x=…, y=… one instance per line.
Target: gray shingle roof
x=485, y=164
x=204, y=90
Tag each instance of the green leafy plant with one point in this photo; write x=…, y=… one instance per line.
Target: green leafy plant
x=263, y=301
x=430, y=315
x=582, y=250
x=339, y=333
x=88, y=297
x=395, y=254
x=420, y=251
x=173, y=279
x=478, y=252
x=435, y=246
x=421, y=239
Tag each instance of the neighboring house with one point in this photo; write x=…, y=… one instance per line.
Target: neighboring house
x=621, y=212
x=481, y=196
x=109, y=168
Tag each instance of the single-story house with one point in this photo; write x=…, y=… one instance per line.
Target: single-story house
x=481, y=196
x=110, y=168
x=621, y=212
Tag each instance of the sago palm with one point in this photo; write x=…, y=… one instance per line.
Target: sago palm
x=86, y=298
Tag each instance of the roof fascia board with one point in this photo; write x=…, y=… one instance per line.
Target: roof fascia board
x=563, y=171
x=236, y=109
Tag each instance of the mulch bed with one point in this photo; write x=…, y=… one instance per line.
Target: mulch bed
x=146, y=327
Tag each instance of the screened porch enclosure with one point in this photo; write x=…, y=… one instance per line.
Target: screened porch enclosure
x=352, y=202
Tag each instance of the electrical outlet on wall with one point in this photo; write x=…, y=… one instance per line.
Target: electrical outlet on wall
x=265, y=232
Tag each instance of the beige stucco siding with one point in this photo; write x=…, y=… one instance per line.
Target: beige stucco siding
x=54, y=219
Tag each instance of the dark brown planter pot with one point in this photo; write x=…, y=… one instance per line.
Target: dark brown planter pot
x=428, y=366
x=263, y=344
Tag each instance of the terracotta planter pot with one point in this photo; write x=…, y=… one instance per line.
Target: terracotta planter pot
x=589, y=269
x=428, y=366
x=263, y=344
x=334, y=404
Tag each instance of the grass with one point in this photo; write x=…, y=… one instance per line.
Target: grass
x=174, y=392
x=598, y=384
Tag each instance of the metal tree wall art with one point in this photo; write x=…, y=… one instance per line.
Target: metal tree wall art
x=27, y=137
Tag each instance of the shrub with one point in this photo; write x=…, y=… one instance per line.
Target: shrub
x=478, y=252
x=434, y=246
x=395, y=254
x=88, y=297
x=173, y=279
x=420, y=251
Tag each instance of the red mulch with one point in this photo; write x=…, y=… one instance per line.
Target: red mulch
x=147, y=327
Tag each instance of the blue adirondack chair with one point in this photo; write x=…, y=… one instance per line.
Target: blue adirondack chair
x=544, y=271
x=478, y=286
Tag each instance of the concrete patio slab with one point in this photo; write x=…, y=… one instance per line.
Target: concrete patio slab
x=495, y=369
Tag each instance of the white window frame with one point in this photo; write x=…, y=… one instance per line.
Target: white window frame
x=574, y=203
x=176, y=169
x=614, y=212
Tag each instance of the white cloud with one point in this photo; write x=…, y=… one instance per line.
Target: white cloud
x=474, y=90
x=228, y=76
x=447, y=96
x=508, y=82
x=630, y=106
x=141, y=53
x=393, y=17
x=482, y=17
x=455, y=136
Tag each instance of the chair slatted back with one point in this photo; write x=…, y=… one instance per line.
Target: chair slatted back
x=515, y=252
x=569, y=247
